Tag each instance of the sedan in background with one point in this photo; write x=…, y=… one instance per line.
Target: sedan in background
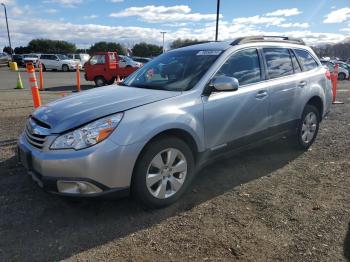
x=342, y=73
x=4, y=59
x=58, y=62
x=126, y=61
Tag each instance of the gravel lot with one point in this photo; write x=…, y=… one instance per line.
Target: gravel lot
x=267, y=204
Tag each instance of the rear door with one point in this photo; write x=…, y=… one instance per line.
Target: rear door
x=231, y=116
x=284, y=88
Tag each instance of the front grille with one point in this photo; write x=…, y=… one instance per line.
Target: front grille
x=33, y=138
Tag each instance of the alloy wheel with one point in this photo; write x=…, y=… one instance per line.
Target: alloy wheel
x=166, y=173
x=309, y=127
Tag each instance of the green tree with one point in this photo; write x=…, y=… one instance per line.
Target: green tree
x=107, y=47
x=22, y=50
x=183, y=42
x=7, y=49
x=51, y=46
x=146, y=50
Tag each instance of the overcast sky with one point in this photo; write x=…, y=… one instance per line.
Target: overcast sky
x=85, y=22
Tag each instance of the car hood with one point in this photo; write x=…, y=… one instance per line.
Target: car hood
x=78, y=109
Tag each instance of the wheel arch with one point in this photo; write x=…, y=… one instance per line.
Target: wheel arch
x=317, y=102
x=175, y=132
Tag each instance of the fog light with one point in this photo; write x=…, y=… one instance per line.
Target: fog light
x=77, y=187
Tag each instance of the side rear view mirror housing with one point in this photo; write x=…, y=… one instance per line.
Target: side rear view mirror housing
x=222, y=84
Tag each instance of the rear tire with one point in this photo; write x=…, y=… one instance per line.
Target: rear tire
x=341, y=76
x=163, y=172
x=43, y=67
x=100, y=81
x=307, y=127
x=65, y=68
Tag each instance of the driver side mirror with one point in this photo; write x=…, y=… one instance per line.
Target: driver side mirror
x=223, y=84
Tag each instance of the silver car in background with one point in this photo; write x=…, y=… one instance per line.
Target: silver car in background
x=149, y=135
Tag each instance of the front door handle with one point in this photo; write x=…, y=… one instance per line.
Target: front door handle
x=302, y=84
x=261, y=94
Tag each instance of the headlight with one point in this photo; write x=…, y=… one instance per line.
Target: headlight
x=89, y=134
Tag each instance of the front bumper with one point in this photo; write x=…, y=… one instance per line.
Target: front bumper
x=106, y=166
x=74, y=67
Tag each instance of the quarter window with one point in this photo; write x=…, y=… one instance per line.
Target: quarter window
x=278, y=62
x=306, y=59
x=243, y=65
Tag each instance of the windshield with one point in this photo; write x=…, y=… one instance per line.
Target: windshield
x=173, y=71
x=62, y=57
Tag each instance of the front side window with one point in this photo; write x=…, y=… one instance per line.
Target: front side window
x=244, y=66
x=306, y=59
x=278, y=62
x=173, y=71
x=98, y=59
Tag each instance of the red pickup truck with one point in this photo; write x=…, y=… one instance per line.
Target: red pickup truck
x=103, y=68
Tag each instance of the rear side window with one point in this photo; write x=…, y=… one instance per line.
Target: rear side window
x=243, y=65
x=307, y=61
x=297, y=68
x=278, y=62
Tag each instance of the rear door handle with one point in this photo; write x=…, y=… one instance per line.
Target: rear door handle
x=261, y=94
x=302, y=84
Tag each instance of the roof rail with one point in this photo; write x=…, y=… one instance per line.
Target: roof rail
x=266, y=38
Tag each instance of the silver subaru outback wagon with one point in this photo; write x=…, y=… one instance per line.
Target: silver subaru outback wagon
x=148, y=135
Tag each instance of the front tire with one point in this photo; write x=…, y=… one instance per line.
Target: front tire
x=100, y=81
x=308, y=127
x=163, y=172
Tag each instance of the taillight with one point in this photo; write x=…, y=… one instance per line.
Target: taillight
x=328, y=74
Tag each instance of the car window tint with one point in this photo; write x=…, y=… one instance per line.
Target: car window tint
x=98, y=59
x=70, y=56
x=297, y=68
x=306, y=59
x=243, y=65
x=278, y=62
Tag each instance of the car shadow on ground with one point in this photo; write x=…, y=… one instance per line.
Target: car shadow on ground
x=347, y=245
x=35, y=225
x=68, y=88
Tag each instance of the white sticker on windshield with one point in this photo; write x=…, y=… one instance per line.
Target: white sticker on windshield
x=208, y=52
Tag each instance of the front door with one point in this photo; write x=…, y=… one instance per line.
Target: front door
x=230, y=116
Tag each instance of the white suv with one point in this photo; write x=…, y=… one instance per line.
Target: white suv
x=58, y=62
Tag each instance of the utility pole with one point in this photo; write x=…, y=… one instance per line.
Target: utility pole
x=217, y=19
x=8, y=31
x=163, y=33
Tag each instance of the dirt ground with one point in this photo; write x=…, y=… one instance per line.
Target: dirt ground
x=267, y=204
